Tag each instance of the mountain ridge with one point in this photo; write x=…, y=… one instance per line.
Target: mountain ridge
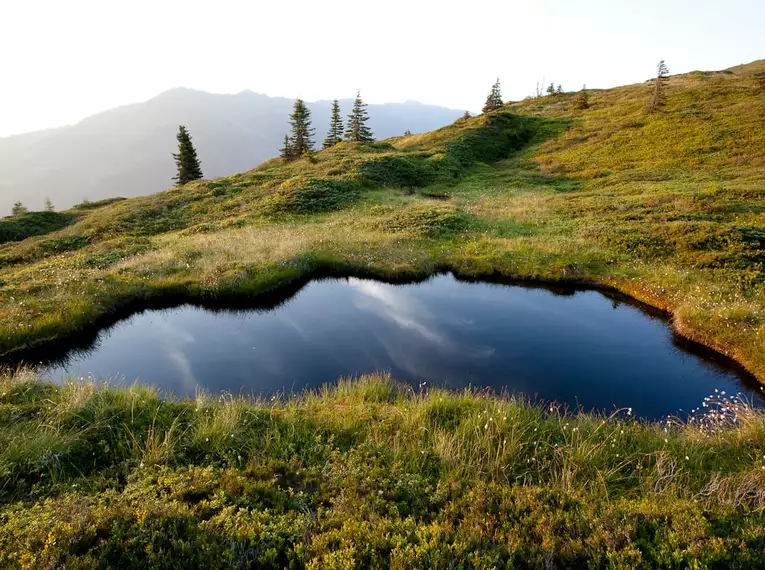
x=126, y=151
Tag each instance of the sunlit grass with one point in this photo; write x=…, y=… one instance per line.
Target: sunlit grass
x=666, y=207
x=113, y=471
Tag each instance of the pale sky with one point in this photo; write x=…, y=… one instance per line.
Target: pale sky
x=63, y=60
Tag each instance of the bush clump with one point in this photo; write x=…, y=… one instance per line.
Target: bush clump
x=426, y=220
x=312, y=195
x=29, y=224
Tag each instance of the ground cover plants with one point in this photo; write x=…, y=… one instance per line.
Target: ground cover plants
x=666, y=206
x=370, y=474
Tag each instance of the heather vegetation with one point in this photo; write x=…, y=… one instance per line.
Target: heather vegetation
x=370, y=474
x=659, y=196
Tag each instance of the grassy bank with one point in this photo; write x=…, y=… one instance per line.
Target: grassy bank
x=667, y=207
x=370, y=474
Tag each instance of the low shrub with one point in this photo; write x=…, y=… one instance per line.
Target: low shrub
x=29, y=224
x=311, y=195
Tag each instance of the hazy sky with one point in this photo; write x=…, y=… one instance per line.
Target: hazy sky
x=65, y=59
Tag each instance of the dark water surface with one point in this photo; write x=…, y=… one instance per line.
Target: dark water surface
x=579, y=348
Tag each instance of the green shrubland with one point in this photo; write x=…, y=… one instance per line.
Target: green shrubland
x=667, y=207
x=370, y=474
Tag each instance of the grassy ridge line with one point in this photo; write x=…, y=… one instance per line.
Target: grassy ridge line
x=369, y=474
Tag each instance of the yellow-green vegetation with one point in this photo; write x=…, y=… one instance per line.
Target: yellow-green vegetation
x=369, y=474
x=667, y=207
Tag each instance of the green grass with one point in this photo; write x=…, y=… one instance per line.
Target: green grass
x=668, y=208
x=369, y=474
x=28, y=224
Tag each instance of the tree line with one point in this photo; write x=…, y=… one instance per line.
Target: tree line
x=296, y=144
x=300, y=141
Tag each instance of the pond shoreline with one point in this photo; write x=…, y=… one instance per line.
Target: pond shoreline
x=271, y=297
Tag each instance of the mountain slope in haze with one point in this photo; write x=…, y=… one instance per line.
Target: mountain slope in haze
x=127, y=151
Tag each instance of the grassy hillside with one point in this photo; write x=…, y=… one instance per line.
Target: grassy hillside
x=667, y=207
x=369, y=474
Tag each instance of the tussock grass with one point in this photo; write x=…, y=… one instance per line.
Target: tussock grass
x=372, y=472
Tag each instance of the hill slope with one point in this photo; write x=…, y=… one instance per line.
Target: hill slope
x=648, y=204
x=668, y=207
x=127, y=151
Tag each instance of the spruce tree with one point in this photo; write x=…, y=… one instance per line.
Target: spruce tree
x=466, y=115
x=582, y=100
x=49, y=205
x=494, y=99
x=559, y=90
x=18, y=209
x=356, y=129
x=286, y=150
x=551, y=89
x=659, y=98
x=186, y=159
x=335, y=134
x=301, y=141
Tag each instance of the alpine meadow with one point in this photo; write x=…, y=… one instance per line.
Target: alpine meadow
x=655, y=190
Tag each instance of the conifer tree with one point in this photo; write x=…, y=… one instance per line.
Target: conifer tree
x=335, y=133
x=659, y=98
x=286, y=150
x=494, y=98
x=18, y=209
x=186, y=159
x=301, y=141
x=466, y=115
x=582, y=100
x=356, y=129
x=551, y=89
x=49, y=205
x=559, y=90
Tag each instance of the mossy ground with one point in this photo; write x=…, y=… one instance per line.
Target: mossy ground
x=369, y=474
x=667, y=207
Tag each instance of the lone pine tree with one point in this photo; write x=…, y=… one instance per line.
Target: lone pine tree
x=658, y=99
x=286, y=150
x=186, y=160
x=335, y=134
x=301, y=141
x=494, y=99
x=356, y=129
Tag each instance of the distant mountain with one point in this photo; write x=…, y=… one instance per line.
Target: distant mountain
x=127, y=151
